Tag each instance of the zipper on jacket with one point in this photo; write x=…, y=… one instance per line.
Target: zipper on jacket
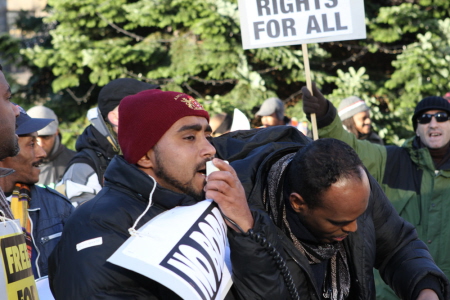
x=45, y=239
x=34, y=244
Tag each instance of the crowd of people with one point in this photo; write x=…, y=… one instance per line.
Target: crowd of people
x=342, y=217
x=415, y=176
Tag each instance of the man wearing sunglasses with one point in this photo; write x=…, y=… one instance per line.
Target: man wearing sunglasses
x=415, y=176
x=433, y=129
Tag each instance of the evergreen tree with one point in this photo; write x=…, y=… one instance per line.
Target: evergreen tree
x=195, y=46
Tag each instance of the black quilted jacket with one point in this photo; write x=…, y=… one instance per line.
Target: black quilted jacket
x=383, y=239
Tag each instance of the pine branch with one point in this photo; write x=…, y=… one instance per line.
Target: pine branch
x=85, y=98
x=130, y=34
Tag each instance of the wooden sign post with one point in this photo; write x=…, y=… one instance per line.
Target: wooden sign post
x=315, y=131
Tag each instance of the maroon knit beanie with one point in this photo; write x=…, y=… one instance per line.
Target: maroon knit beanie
x=146, y=116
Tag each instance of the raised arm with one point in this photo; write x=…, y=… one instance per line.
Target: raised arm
x=330, y=126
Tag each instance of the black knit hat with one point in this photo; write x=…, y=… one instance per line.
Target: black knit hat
x=430, y=103
x=112, y=93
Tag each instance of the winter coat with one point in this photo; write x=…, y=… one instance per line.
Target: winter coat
x=383, y=239
x=407, y=175
x=48, y=211
x=86, y=274
x=83, y=178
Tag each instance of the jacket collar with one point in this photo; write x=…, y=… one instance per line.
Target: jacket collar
x=121, y=174
x=93, y=139
x=421, y=155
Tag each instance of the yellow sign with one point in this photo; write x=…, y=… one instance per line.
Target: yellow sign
x=17, y=271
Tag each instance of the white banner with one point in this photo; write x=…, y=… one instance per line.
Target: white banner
x=270, y=23
x=43, y=288
x=184, y=249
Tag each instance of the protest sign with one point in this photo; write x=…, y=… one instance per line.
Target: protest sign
x=184, y=249
x=16, y=275
x=272, y=23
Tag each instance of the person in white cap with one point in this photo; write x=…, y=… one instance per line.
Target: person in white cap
x=355, y=116
x=49, y=138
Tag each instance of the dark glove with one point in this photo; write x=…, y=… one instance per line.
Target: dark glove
x=316, y=104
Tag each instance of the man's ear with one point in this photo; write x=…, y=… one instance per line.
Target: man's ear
x=113, y=117
x=145, y=161
x=297, y=203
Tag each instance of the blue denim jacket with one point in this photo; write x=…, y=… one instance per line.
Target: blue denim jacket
x=48, y=212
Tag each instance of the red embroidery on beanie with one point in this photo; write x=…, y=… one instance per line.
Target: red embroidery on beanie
x=190, y=102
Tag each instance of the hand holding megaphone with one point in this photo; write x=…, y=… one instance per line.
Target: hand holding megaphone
x=225, y=188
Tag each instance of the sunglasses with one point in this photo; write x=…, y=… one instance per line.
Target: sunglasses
x=426, y=118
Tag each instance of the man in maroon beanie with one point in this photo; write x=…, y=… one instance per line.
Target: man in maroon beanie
x=164, y=136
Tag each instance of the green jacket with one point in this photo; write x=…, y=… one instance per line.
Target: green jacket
x=407, y=175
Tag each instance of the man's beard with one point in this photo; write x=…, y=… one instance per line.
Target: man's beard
x=10, y=149
x=186, y=189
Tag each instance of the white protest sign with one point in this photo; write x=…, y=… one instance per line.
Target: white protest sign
x=184, y=249
x=16, y=275
x=43, y=288
x=271, y=23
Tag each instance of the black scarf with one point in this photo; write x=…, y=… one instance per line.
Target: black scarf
x=336, y=284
